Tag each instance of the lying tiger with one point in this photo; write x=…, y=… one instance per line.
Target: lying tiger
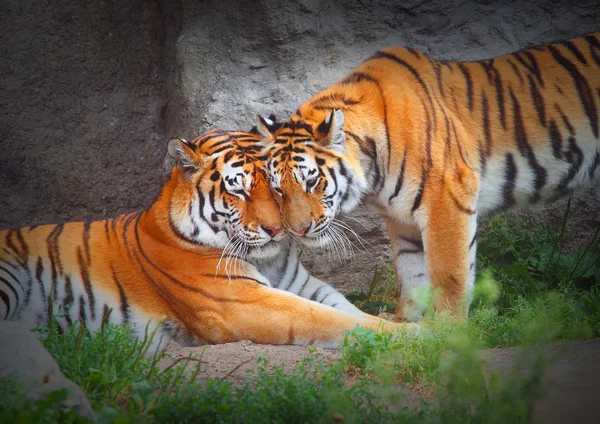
x=204, y=259
x=436, y=144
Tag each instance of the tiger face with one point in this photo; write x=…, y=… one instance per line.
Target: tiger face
x=223, y=196
x=311, y=175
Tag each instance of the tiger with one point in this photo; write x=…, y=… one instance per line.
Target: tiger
x=207, y=262
x=434, y=145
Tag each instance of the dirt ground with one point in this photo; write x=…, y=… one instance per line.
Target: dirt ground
x=571, y=381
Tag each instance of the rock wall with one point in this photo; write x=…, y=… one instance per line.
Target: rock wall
x=81, y=134
x=94, y=89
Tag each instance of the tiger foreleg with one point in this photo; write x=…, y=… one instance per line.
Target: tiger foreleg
x=411, y=269
x=449, y=229
x=265, y=315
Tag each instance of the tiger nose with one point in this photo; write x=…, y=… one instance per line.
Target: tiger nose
x=302, y=231
x=272, y=231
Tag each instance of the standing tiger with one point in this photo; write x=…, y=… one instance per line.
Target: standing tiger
x=202, y=259
x=435, y=144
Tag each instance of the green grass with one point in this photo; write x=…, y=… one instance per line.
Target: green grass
x=529, y=291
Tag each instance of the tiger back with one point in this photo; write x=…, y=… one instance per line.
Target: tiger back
x=436, y=144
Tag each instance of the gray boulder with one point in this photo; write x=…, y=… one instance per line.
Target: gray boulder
x=22, y=355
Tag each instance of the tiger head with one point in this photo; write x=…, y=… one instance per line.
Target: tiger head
x=222, y=196
x=314, y=173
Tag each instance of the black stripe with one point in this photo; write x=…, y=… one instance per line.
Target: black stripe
x=22, y=242
x=202, y=202
x=377, y=180
x=333, y=177
x=487, y=132
x=583, y=88
x=82, y=317
x=482, y=159
x=488, y=68
x=283, y=268
x=540, y=172
x=221, y=149
x=294, y=125
x=417, y=202
x=448, y=147
x=565, y=119
x=122, y=297
x=53, y=254
x=473, y=241
x=437, y=68
x=594, y=164
x=414, y=52
x=10, y=286
x=460, y=150
x=459, y=206
x=532, y=67
x=128, y=219
x=469, y=82
x=316, y=293
x=85, y=277
x=594, y=48
x=500, y=99
x=573, y=48
x=294, y=276
x=400, y=179
x=86, y=242
x=22, y=252
x=52, y=241
x=515, y=69
x=555, y=139
x=356, y=77
x=510, y=175
x=427, y=137
x=68, y=298
x=575, y=157
x=538, y=101
x=416, y=242
x=39, y=271
x=304, y=284
x=6, y=300
x=326, y=296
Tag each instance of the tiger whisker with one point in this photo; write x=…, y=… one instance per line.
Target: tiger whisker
x=223, y=252
x=345, y=226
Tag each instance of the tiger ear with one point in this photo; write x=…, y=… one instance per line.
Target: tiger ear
x=332, y=126
x=184, y=154
x=267, y=126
